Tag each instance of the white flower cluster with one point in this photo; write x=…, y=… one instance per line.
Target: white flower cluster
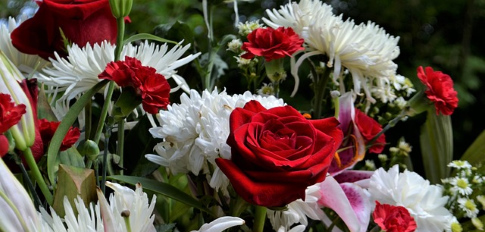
x=195, y=133
x=365, y=50
x=462, y=188
x=425, y=202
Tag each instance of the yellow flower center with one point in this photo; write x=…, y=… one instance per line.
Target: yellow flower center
x=462, y=183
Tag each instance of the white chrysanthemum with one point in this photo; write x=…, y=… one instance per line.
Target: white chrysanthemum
x=469, y=207
x=366, y=50
x=25, y=63
x=424, y=202
x=195, y=132
x=79, y=71
x=297, y=15
x=297, y=211
x=132, y=204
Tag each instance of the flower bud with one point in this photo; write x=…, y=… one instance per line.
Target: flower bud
x=275, y=70
x=120, y=8
x=90, y=149
x=24, y=132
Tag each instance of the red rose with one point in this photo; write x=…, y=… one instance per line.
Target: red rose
x=272, y=44
x=152, y=87
x=439, y=89
x=277, y=153
x=81, y=21
x=47, y=130
x=10, y=115
x=369, y=128
x=393, y=218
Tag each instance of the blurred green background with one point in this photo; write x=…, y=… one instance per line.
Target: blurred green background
x=445, y=34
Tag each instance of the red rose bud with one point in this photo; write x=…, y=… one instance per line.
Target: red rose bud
x=369, y=128
x=393, y=218
x=47, y=130
x=272, y=44
x=439, y=90
x=81, y=22
x=277, y=153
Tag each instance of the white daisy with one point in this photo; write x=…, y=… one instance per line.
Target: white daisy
x=461, y=185
x=79, y=71
x=424, y=202
x=25, y=63
x=468, y=206
x=195, y=133
x=460, y=164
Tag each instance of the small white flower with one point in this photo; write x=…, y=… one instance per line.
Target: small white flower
x=242, y=62
x=424, y=202
x=246, y=28
x=468, y=206
x=195, y=133
x=234, y=46
x=460, y=164
x=266, y=90
x=461, y=185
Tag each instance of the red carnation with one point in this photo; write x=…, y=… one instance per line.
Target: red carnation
x=10, y=115
x=47, y=130
x=152, y=87
x=393, y=218
x=272, y=44
x=439, y=89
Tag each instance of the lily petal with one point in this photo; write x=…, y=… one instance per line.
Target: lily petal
x=354, y=209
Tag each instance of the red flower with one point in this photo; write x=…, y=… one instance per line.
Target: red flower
x=10, y=115
x=152, y=87
x=47, y=130
x=81, y=21
x=277, y=153
x=393, y=218
x=439, y=89
x=272, y=44
x=369, y=128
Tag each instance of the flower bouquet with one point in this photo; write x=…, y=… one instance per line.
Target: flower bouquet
x=106, y=130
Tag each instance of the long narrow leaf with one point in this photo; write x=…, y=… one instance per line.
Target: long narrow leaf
x=146, y=36
x=162, y=188
x=475, y=154
x=436, y=146
x=61, y=131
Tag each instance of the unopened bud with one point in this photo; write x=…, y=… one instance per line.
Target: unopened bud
x=90, y=149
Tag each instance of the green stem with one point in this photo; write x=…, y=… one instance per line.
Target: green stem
x=259, y=218
x=105, y=161
x=121, y=143
x=389, y=125
x=119, y=40
x=319, y=90
x=88, y=119
x=29, y=158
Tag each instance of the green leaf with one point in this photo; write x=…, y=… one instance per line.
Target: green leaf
x=475, y=154
x=44, y=109
x=140, y=143
x=164, y=189
x=74, y=181
x=165, y=228
x=66, y=123
x=146, y=36
x=175, y=31
x=436, y=146
x=72, y=157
